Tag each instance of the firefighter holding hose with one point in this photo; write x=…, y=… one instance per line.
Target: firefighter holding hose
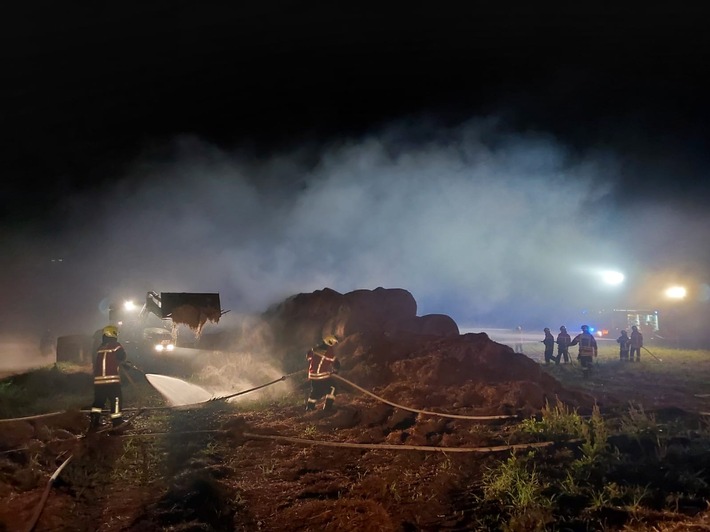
x=322, y=363
x=110, y=355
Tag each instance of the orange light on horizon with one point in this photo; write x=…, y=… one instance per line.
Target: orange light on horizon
x=676, y=292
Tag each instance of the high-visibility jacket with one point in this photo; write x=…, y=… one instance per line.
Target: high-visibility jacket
x=636, y=339
x=321, y=362
x=587, y=344
x=109, y=357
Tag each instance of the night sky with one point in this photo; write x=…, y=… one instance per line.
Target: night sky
x=490, y=157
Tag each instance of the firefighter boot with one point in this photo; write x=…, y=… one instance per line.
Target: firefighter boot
x=95, y=421
x=329, y=399
x=310, y=404
x=117, y=422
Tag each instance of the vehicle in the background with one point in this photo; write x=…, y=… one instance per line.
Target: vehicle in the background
x=610, y=323
x=150, y=328
x=158, y=339
x=154, y=326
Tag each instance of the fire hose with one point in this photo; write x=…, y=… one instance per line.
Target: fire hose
x=43, y=501
x=426, y=412
x=649, y=352
x=335, y=375
x=349, y=445
x=282, y=378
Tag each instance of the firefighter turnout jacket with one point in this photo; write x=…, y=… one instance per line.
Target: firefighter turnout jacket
x=587, y=344
x=321, y=362
x=109, y=357
x=563, y=341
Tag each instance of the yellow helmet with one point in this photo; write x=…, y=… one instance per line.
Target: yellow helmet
x=330, y=340
x=110, y=331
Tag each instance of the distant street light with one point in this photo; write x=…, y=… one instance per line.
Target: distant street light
x=676, y=292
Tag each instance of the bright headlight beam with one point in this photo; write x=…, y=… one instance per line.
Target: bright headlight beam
x=612, y=277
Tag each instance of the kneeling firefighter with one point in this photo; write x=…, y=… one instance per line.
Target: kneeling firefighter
x=322, y=363
x=110, y=355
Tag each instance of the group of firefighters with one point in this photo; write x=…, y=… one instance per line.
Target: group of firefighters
x=111, y=356
x=323, y=364
x=629, y=346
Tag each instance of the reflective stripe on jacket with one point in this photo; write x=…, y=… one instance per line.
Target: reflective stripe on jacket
x=321, y=362
x=108, y=358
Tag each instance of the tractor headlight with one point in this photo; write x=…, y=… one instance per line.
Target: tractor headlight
x=164, y=346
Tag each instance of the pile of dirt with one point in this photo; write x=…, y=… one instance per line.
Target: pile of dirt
x=419, y=361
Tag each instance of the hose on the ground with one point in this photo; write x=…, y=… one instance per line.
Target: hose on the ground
x=43, y=500
x=426, y=412
x=348, y=445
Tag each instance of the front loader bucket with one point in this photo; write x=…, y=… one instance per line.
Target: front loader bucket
x=191, y=309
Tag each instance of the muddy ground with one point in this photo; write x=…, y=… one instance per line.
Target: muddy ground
x=268, y=464
x=381, y=460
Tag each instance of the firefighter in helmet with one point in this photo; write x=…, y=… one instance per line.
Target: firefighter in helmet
x=322, y=363
x=624, y=342
x=549, y=342
x=563, y=341
x=587, y=349
x=110, y=355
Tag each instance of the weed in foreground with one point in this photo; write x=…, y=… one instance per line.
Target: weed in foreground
x=517, y=486
x=558, y=422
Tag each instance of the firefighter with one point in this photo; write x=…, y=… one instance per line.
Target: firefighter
x=636, y=344
x=549, y=342
x=110, y=355
x=322, y=363
x=587, y=349
x=519, y=342
x=624, y=341
x=563, y=341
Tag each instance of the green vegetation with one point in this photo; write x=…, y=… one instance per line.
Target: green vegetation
x=604, y=473
x=64, y=386
x=49, y=389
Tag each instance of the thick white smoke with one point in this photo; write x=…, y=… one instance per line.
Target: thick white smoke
x=485, y=226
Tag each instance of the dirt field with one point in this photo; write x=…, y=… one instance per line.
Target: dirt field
x=267, y=464
x=432, y=430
